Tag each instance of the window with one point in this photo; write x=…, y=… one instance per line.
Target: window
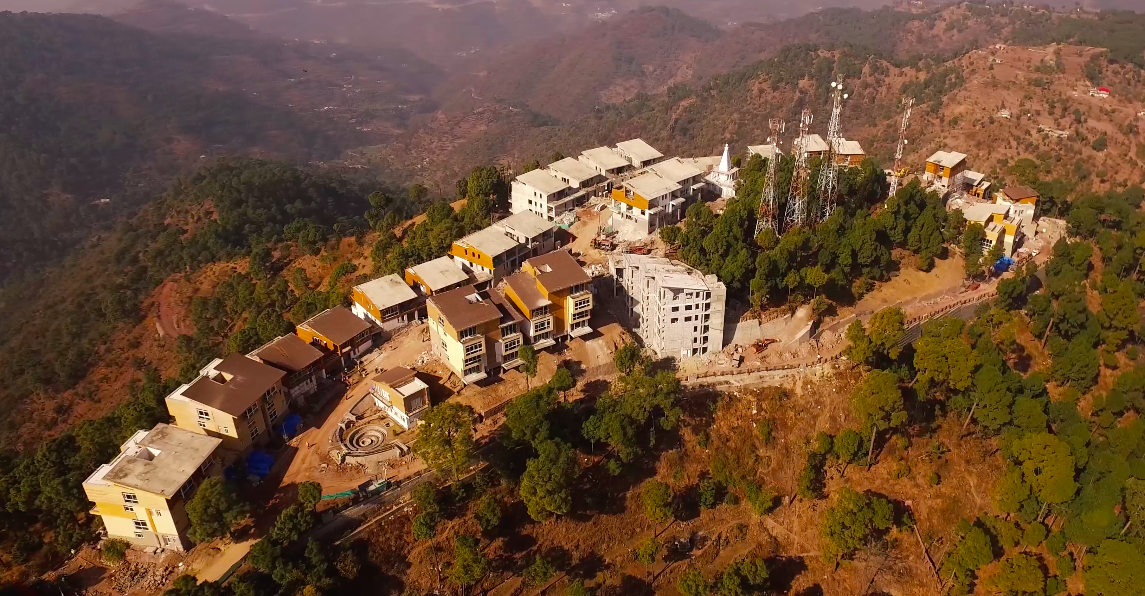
x=467, y=333
x=473, y=360
x=130, y=508
x=474, y=348
x=687, y=319
x=252, y=423
x=675, y=320
x=512, y=344
x=168, y=540
x=582, y=303
x=687, y=307
x=675, y=309
x=473, y=370
x=509, y=329
x=541, y=311
x=225, y=430
x=157, y=513
x=272, y=411
x=581, y=316
x=542, y=326
x=203, y=414
x=254, y=433
x=202, y=424
x=140, y=525
x=187, y=488
x=130, y=498
x=250, y=411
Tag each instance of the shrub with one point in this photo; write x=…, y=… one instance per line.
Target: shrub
x=657, y=497
x=114, y=550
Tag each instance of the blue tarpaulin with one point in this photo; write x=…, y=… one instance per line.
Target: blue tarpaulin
x=258, y=463
x=289, y=426
x=1003, y=265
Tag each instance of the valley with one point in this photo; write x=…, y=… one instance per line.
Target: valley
x=895, y=406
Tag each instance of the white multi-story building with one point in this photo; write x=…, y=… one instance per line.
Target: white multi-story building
x=638, y=153
x=657, y=197
x=542, y=193
x=604, y=161
x=675, y=309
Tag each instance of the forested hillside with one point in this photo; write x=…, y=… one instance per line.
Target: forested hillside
x=98, y=117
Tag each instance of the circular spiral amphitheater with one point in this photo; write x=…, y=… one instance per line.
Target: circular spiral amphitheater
x=364, y=440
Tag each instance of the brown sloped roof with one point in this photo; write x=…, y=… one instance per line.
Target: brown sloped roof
x=337, y=324
x=289, y=353
x=464, y=307
x=249, y=379
x=558, y=270
x=1017, y=193
x=395, y=376
x=525, y=287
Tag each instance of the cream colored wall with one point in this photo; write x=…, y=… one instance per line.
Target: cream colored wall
x=185, y=413
x=109, y=500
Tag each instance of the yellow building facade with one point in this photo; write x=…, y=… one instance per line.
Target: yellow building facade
x=141, y=495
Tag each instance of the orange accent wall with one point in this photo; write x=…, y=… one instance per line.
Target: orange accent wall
x=472, y=255
x=637, y=201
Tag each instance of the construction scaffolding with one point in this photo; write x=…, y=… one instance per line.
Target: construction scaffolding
x=796, y=213
x=829, y=170
x=768, y=202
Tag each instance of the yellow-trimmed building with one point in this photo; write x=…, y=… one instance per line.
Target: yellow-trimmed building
x=943, y=168
x=141, y=494
x=1018, y=194
x=554, y=294
x=386, y=302
x=436, y=276
x=401, y=395
x=236, y=399
x=474, y=332
x=343, y=336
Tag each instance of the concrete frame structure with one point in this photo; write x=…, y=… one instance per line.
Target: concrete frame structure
x=543, y=193
x=675, y=309
x=638, y=153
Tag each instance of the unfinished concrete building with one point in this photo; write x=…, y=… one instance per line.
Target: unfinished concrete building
x=675, y=309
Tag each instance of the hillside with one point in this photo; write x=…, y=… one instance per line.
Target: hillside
x=98, y=116
x=940, y=57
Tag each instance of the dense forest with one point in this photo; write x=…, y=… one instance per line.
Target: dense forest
x=255, y=206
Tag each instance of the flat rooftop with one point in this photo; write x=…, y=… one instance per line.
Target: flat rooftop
x=639, y=150
x=158, y=461
x=574, y=169
x=490, y=241
x=439, y=273
x=651, y=185
x=527, y=224
x=980, y=212
x=947, y=159
x=604, y=158
x=815, y=144
x=542, y=181
x=387, y=291
x=676, y=170
x=850, y=148
x=764, y=151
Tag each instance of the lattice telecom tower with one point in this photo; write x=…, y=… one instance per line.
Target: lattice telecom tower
x=829, y=170
x=770, y=198
x=797, y=196
x=897, y=174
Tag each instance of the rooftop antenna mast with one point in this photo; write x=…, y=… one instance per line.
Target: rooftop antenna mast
x=797, y=196
x=829, y=170
x=898, y=173
x=768, y=202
